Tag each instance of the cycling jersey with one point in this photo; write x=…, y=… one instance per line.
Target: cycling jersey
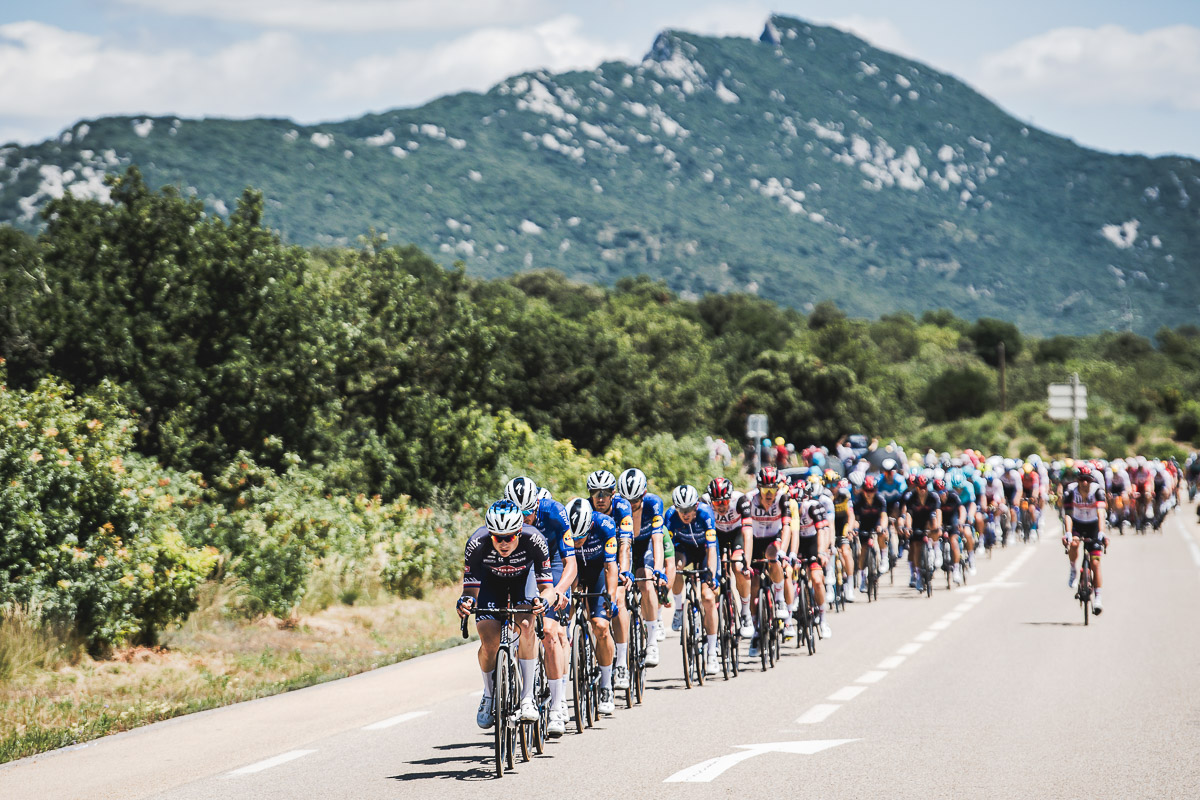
x=1081, y=505
x=733, y=517
x=1009, y=481
x=966, y=493
x=651, y=517
x=810, y=513
x=483, y=565
x=841, y=510
x=951, y=503
x=701, y=531
x=599, y=547
x=921, y=510
x=869, y=512
x=1030, y=481
x=891, y=490
x=551, y=522
x=767, y=522
x=622, y=516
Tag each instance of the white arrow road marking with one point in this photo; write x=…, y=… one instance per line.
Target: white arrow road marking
x=706, y=771
x=283, y=758
x=389, y=722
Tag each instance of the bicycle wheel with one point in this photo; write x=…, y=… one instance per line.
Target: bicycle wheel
x=637, y=676
x=541, y=696
x=591, y=688
x=578, y=681
x=697, y=641
x=807, y=617
x=764, y=615
x=523, y=737
x=723, y=635
x=502, y=711
x=685, y=646
x=948, y=564
x=1085, y=589
x=776, y=641
x=872, y=575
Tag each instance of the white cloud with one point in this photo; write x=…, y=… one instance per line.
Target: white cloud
x=354, y=16
x=1105, y=66
x=50, y=77
x=719, y=19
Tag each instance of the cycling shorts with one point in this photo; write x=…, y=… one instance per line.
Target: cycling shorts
x=1089, y=531
x=731, y=542
x=807, y=547
x=498, y=593
x=642, y=553
x=917, y=534
x=592, y=579
x=761, y=545
x=693, y=556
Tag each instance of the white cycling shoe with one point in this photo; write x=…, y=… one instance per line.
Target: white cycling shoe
x=826, y=631
x=789, y=628
x=677, y=620
x=1096, y=609
x=848, y=592
x=781, y=610
x=662, y=633
x=529, y=712
x=711, y=660
x=606, y=706
x=652, y=655
x=485, y=717
x=557, y=726
x=620, y=678
x=747, y=628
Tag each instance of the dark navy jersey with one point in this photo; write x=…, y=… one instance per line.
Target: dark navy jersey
x=921, y=511
x=482, y=564
x=600, y=545
x=622, y=515
x=700, y=532
x=951, y=503
x=868, y=512
x=652, y=516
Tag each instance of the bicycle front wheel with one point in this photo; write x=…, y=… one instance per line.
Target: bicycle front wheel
x=500, y=695
x=579, y=681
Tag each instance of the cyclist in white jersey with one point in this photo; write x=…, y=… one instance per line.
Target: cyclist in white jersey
x=731, y=510
x=770, y=526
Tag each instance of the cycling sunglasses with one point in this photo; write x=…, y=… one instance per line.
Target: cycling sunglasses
x=602, y=494
x=504, y=538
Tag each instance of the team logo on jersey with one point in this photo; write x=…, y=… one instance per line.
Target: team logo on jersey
x=657, y=522
x=627, y=524
x=710, y=536
x=610, y=547
x=568, y=541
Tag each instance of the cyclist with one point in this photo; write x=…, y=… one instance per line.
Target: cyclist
x=809, y=543
x=954, y=518
x=891, y=487
x=770, y=526
x=922, y=517
x=1031, y=489
x=691, y=525
x=843, y=519
x=731, y=511
x=870, y=521
x=500, y=557
x=550, y=519
x=1084, y=504
x=1010, y=479
x=601, y=486
x=971, y=519
x=647, y=551
x=595, y=537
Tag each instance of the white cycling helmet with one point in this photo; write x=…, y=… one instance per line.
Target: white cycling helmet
x=601, y=480
x=524, y=492
x=579, y=515
x=503, y=517
x=685, y=497
x=544, y=494
x=632, y=484
x=888, y=464
x=1009, y=464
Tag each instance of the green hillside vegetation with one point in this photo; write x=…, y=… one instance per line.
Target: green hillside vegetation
x=188, y=399
x=803, y=166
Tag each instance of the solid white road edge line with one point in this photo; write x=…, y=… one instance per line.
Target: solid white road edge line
x=283, y=758
x=387, y=723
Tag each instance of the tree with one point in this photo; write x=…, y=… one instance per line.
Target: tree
x=988, y=334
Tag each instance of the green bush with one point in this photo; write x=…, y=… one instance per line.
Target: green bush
x=959, y=392
x=1187, y=422
x=78, y=542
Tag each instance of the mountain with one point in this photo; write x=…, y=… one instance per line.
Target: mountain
x=802, y=166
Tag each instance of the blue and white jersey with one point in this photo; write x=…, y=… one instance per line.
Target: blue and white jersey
x=551, y=521
x=891, y=490
x=622, y=515
x=599, y=547
x=700, y=532
x=652, y=517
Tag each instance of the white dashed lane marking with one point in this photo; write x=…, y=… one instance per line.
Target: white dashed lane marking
x=387, y=723
x=283, y=758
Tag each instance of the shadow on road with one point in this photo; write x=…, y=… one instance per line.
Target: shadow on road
x=1057, y=624
x=477, y=765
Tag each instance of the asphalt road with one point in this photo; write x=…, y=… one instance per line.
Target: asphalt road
x=995, y=690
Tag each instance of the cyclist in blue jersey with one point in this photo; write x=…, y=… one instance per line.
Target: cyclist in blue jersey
x=693, y=528
x=891, y=487
x=595, y=537
x=965, y=490
x=499, y=559
x=646, y=550
x=550, y=518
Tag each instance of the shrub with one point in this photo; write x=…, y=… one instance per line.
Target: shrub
x=959, y=392
x=1187, y=422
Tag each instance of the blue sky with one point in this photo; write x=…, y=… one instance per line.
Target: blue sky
x=1117, y=76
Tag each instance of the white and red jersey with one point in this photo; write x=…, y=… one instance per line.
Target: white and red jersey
x=767, y=522
x=1084, y=505
x=810, y=513
x=733, y=517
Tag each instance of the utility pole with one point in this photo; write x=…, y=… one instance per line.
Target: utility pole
x=1003, y=383
x=1075, y=417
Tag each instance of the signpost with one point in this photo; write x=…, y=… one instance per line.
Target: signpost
x=1069, y=401
x=756, y=431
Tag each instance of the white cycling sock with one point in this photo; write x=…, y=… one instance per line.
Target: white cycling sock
x=622, y=656
x=606, y=677
x=651, y=635
x=711, y=639
x=488, y=684
x=678, y=598
x=527, y=666
x=557, y=691
x=746, y=606
x=777, y=588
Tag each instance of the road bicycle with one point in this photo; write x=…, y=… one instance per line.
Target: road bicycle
x=836, y=594
x=1085, y=588
x=691, y=636
x=509, y=730
x=926, y=558
x=729, y=636
x=585, y=671
x=873, y=572
x=807, y=630
x=768, y=630
x=637, y=643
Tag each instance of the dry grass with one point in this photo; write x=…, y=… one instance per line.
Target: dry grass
x=213, y=660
